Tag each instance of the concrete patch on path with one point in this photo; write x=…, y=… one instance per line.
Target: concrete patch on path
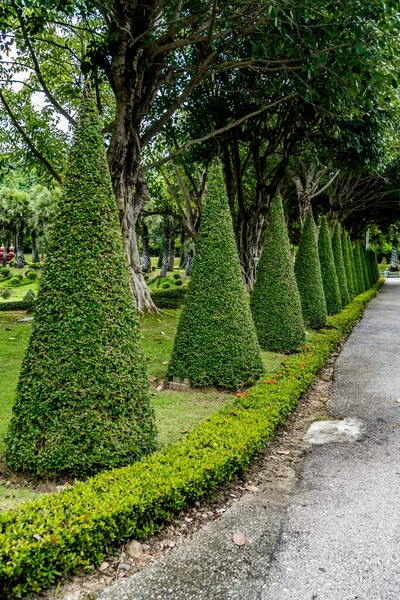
x=328, y=432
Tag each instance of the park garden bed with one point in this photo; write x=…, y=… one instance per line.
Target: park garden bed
x=64, y=533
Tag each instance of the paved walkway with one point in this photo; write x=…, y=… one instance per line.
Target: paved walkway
x=337, y=536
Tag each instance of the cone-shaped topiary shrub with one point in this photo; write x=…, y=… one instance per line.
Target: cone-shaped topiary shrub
x=275, y=302
x=347, y=258
x=359, y=268
x=339, y=264
x=375, y=267
x=364, y=260
x=356, y=282
x=328, y=269
x=216, y=341
x=308, y=276
x=83, y=403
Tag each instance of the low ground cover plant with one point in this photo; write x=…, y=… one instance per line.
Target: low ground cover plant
x=64, y=533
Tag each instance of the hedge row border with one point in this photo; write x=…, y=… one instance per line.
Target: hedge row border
x=64, y=533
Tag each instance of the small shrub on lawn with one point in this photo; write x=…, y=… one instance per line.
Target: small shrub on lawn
x=178, y=282
x=4, y=272
x=19, y=275
x=31, y=275
x=35, y=265
x=29, y=296
x=14, y=281
x=176, y=275
x=165, y=286
x=5, y=293
x=63, y=533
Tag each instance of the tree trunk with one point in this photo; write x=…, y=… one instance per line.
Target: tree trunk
x=189, y=263
x=35, y=253
x=171, y=258
x=130, y=206
x=394, y=259
x=166, y=249
x=146, y=260
x=20, y=247
x=249, y=241
x=5, y=244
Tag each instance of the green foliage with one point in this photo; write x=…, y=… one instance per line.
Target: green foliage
x=328, y=269
x=308, y=275
x=5, y=293
x=14, y=281
x=63, y=533
x=275, y=302
x=339, y=264
x=4, y=271
x=29, y=296
x=35, y=265
x=216, y=341
x=347, y=259
x=171, y=298
x=31, y=275
x=83, y=403
x=165, y=286
x=176, y=276
x=367, y=278
x=19, y=275
x=359, y=269
x=17, y=305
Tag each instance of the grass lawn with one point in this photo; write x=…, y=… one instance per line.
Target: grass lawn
x=175, y=412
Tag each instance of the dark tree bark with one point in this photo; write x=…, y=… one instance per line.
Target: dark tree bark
x=171, y=257
x=35, y=253
x=166, y=249
x=20, y=247
x=189, y=263
x=6, y=246
x=146, y=260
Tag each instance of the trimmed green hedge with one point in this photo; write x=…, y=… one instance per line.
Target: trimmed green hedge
x=63, y=533
x=170, y=298
x=17, y=305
